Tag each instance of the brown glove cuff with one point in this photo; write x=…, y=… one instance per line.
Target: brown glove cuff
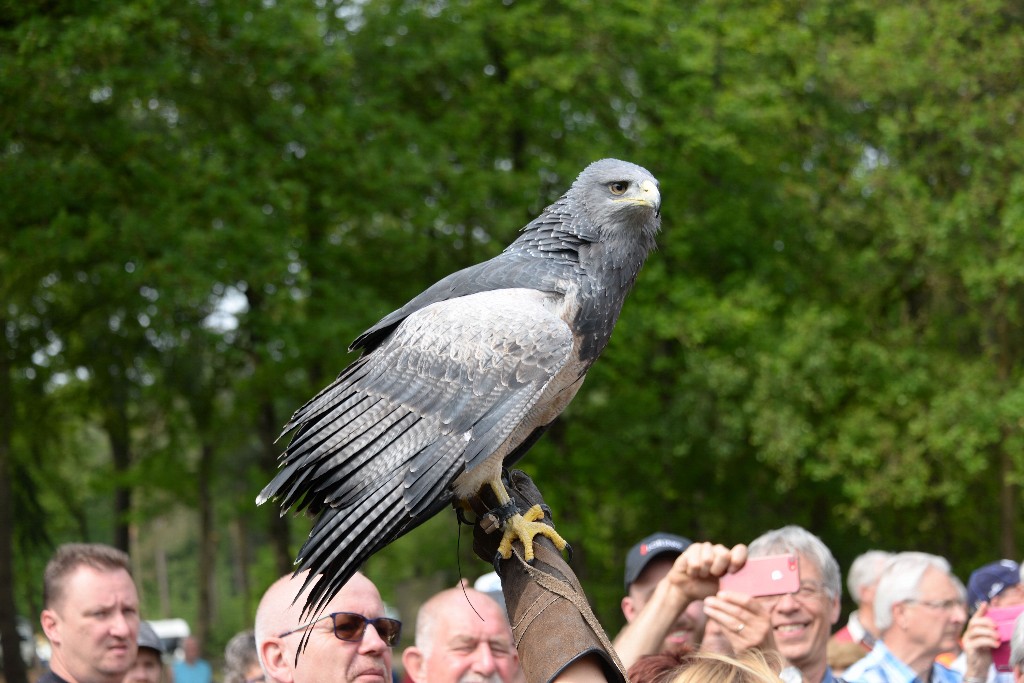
x=551, y=618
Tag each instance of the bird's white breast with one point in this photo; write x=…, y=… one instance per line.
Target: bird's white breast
x=528, y=316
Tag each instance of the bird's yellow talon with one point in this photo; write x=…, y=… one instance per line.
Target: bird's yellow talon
x=525, y=527
x=533, y=514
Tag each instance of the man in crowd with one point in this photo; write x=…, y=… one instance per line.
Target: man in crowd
x=90, y=614
x=920, y=612
x=861, y=581
x=193, y=669
x=241, y=661
x=996, y=584
x=797, y=624
x=349, y=641
x=666, y=579
x=149, y=665
x=462, y=636
x=1017, y=650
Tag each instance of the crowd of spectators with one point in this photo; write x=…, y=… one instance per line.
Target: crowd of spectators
x=915, y=621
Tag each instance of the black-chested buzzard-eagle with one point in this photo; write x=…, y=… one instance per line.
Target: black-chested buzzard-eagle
x=465, y=377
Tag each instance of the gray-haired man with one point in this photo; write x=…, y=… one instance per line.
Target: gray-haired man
x=1017, y=650
x=861, y=581
x=920, y=610
x=797, y=624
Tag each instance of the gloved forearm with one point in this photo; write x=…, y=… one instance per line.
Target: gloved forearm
x=557, y=634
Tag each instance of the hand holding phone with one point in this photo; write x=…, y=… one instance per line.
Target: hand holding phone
x=768, y=575
x=1005, y=618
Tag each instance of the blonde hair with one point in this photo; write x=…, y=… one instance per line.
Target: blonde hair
x=752, y=666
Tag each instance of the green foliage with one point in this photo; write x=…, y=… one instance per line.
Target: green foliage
x=202, y=203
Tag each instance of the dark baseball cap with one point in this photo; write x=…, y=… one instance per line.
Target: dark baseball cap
x=655, y=545
x=148, y=638
x=990, y=580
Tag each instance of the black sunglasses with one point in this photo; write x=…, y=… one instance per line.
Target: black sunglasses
x=351, y=627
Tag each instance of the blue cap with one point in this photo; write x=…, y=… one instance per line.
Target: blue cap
x=990, y=580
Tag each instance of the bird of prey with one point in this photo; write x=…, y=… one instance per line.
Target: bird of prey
x=464, y=378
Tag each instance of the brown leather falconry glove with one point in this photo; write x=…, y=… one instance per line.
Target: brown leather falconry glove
x=551, y=618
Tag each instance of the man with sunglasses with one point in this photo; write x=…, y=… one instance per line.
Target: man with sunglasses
x=349, y=641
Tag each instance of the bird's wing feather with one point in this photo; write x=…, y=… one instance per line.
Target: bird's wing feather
x=376, y=452
x=518, y=266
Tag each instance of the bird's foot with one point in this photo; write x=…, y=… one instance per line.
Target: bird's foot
x=499, y=517
x=525, y=527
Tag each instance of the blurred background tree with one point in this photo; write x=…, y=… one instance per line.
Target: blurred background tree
x=203, y=202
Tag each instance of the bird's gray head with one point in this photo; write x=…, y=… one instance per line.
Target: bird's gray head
x=614, y=192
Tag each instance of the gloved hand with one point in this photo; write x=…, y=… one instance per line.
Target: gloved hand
x=551, y=618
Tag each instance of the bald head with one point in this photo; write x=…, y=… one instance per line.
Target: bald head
x=280, y=611
x=462, y=635
x=281, y=607
x=455, y=604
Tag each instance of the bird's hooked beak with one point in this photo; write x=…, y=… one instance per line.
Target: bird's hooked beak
x=650, y=194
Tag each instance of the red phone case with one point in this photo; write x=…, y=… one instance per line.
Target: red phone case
x=769, y=575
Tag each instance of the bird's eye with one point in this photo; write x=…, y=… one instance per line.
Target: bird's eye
x=618, y=187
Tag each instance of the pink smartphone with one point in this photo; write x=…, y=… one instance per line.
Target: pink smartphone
x=1005, y=618
x=769, y=575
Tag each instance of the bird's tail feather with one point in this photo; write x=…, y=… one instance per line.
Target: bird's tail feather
x=344, y=538
x=430, y=473
x=328, y=452
x=318, y=431
x=329, y=396
x=389, y=453
x=340, y=543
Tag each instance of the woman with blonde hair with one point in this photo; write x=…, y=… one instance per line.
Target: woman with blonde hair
x=751, y=666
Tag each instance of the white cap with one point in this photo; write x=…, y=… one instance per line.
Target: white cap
x=491, y=585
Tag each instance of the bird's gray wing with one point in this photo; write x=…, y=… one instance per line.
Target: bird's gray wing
x=542, y=258
x=375, y=453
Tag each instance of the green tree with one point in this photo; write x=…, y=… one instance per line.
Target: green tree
x=202, y=203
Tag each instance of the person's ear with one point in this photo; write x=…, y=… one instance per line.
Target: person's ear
x=49, y=621
x=836, y=609
x=412, y=661
x=628, y=608
x=898, y=610
x=277, y=661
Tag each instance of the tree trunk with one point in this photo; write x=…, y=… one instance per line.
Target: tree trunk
x=268, y=428
x=277, y=526
x=1007, y=502
x=207, y=544
x=241, y=565
x=14, y=667
x=1006, y=344
x=121, y=452
x=163, y=585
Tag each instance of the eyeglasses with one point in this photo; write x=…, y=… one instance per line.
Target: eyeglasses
x=351, y=627
x=943, y=605
x=808, y=591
